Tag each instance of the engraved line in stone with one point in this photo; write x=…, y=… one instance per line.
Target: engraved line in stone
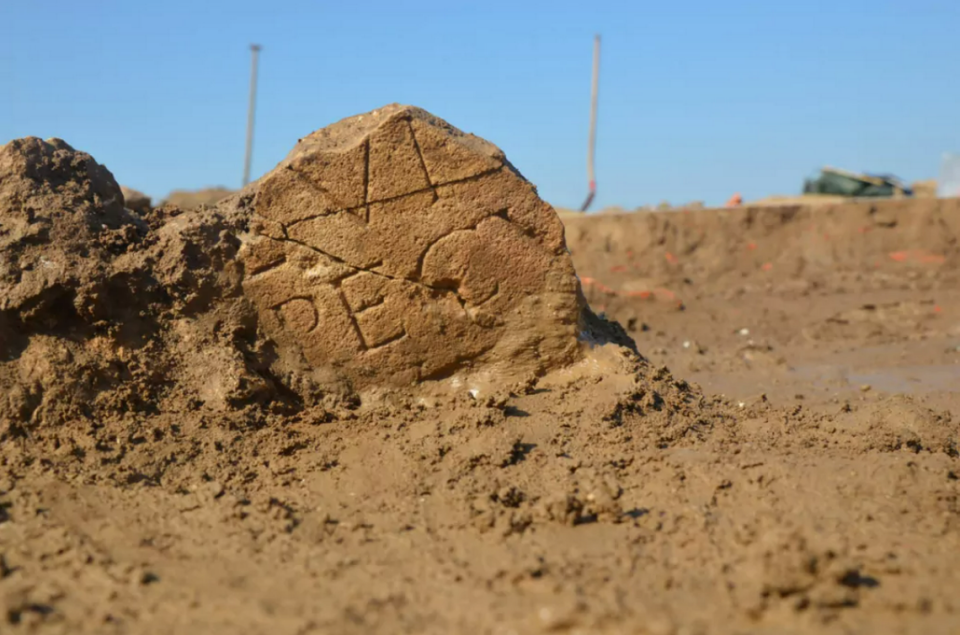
x=379, y=302
x=352, y=318
x=356, y=268
x=390, y=199
x=319, y=188
x=267, y=268
x=423, y=163
x=339, y=260
x=308, y=300
x=420, y=283
x=426, y=250
x=356, y=272
x=391, y=340
x=366, y=180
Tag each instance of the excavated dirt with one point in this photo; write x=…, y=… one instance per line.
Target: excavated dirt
x=196, y=199
x=136, y=201
x=816, y=301
x=165, y=466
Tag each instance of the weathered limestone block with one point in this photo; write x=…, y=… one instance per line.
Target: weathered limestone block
x=395, y=248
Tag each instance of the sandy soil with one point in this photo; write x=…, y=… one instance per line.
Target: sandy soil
x=794, y=471
x=826, y=304
x=192, y=199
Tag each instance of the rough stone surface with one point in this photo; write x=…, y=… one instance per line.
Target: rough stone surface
x=396, y=248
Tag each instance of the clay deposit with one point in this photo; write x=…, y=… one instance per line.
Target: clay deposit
x=366, y=395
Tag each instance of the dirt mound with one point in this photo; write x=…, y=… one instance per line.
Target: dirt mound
x=100, y=313
x=783, y=300
x=890, y=243
x=136, y=201
x=799, y=199
x=63, y=220
x=194, y=199
x=397, y=248
x=924, y=189
x=609, y=498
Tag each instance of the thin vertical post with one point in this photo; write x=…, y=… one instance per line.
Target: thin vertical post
x=592, y=142
x=251, y=111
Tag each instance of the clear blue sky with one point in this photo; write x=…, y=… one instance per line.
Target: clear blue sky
x=698, y=99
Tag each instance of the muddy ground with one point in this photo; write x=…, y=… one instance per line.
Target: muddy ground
x=784, y=461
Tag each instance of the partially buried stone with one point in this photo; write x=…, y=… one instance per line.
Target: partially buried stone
x=395, y=248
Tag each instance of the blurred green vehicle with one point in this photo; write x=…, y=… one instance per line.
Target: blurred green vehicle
x=842, y=183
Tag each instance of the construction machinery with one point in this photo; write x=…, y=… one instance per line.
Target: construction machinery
x=843, y=183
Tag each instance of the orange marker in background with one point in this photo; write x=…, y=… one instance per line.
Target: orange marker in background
x=735, y=201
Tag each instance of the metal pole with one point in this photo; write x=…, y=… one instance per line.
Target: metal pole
x=592, y=143
x=255, y=52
